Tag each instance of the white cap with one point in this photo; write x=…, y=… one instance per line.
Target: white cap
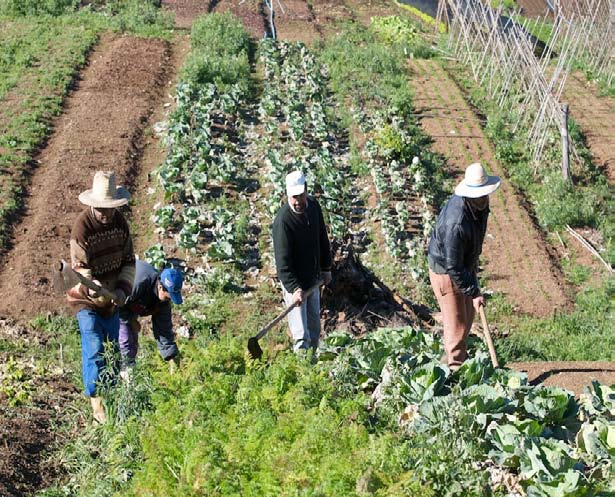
x=295, y=183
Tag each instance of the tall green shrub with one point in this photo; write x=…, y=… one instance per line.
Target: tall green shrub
x=220, y=52
x=16, y=8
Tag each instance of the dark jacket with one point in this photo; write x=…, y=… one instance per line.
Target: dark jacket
x=456, y=243
x=144, y=300
x=301, y=246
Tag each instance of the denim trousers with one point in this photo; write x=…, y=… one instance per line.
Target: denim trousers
x=304, y=321
x=95, y=331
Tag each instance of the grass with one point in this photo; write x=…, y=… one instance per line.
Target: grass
x=586, y=331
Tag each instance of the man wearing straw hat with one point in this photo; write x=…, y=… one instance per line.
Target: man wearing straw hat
x=101, y=250
x=454, y=247
x=302, y=258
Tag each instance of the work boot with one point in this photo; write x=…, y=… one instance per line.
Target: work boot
x=174, y=364
x=126, y=373
x=98, y=410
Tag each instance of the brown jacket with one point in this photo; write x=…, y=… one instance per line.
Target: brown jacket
x=103, y=252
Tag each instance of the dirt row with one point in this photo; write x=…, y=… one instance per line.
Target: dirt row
x=516, y=259
x=596, y=118
x=101, y=128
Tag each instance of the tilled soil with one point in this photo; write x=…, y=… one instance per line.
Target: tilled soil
x=101, y=128
x=596, y=117
x=533, y=8
x=573, y=376
x=29, y=433
x=295, y=20
x=517, y=261
x=251, y=12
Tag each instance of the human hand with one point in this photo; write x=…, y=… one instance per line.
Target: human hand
x=477, y=302
x=327, y=277
x=298, y=296
x=119, y=296
x=93, y=294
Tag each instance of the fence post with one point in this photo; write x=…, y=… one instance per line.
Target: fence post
x=565, y=144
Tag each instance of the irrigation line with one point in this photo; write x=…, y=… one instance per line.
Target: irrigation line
x=589, y=247
x=444, y=116
x=269, y=4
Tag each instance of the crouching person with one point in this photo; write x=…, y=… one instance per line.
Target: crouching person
x=101, y=250
x=152, y=295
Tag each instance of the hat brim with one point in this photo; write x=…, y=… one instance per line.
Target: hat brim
x=176, y=298
x=122, y=196
x=291, y=191
x=465, y=190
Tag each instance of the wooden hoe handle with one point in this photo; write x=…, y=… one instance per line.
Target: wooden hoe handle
x=487, y=333
x=281, y=316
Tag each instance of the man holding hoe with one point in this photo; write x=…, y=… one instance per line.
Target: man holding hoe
x=302, y=258
x=101, y=250
x=454, y=247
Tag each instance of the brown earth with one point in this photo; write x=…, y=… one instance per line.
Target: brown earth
x=29, y=433
x=251, y=12
x=596, y=117
x=296, y=20
x=153, y=154
x=533, y=8
x=516, y=258
x=574, y=376
x=101, y=128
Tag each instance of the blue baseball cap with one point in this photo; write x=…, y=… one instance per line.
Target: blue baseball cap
x=172, y=280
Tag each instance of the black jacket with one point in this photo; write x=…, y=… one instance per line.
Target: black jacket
x=301, y=246
x=456, y=243
x=144, y=300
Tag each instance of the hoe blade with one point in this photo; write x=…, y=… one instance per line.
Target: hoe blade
x=254, y=349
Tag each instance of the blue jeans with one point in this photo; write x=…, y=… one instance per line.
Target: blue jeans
x=95, y=331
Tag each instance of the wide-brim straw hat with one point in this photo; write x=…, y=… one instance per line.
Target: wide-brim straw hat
x=104, y=193
x=477, y=183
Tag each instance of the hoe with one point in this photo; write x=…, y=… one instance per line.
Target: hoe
x=254, y=348
x=65, y=277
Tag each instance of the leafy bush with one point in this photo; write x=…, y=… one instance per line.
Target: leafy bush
x=220, y=52
x=401, y=32
x=15, y=8
x=366, y=70
x=559, y=203
x=587, y=331
x=242, y=429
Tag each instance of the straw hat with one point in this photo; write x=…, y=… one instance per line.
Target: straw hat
x=104, y=193
x=477, y=183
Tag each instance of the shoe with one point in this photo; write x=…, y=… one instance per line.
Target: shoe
x=126, y=375
x=174, y=364
x=98, y=411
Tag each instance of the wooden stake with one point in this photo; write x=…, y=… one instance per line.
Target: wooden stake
x=565, y=153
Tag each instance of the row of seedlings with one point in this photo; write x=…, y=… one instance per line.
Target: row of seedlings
x=296, y=111
x=402, y=181
x=209, y=213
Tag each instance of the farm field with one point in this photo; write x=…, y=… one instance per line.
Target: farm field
x=517, y=262
x=595, y=117
x=201, y=121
